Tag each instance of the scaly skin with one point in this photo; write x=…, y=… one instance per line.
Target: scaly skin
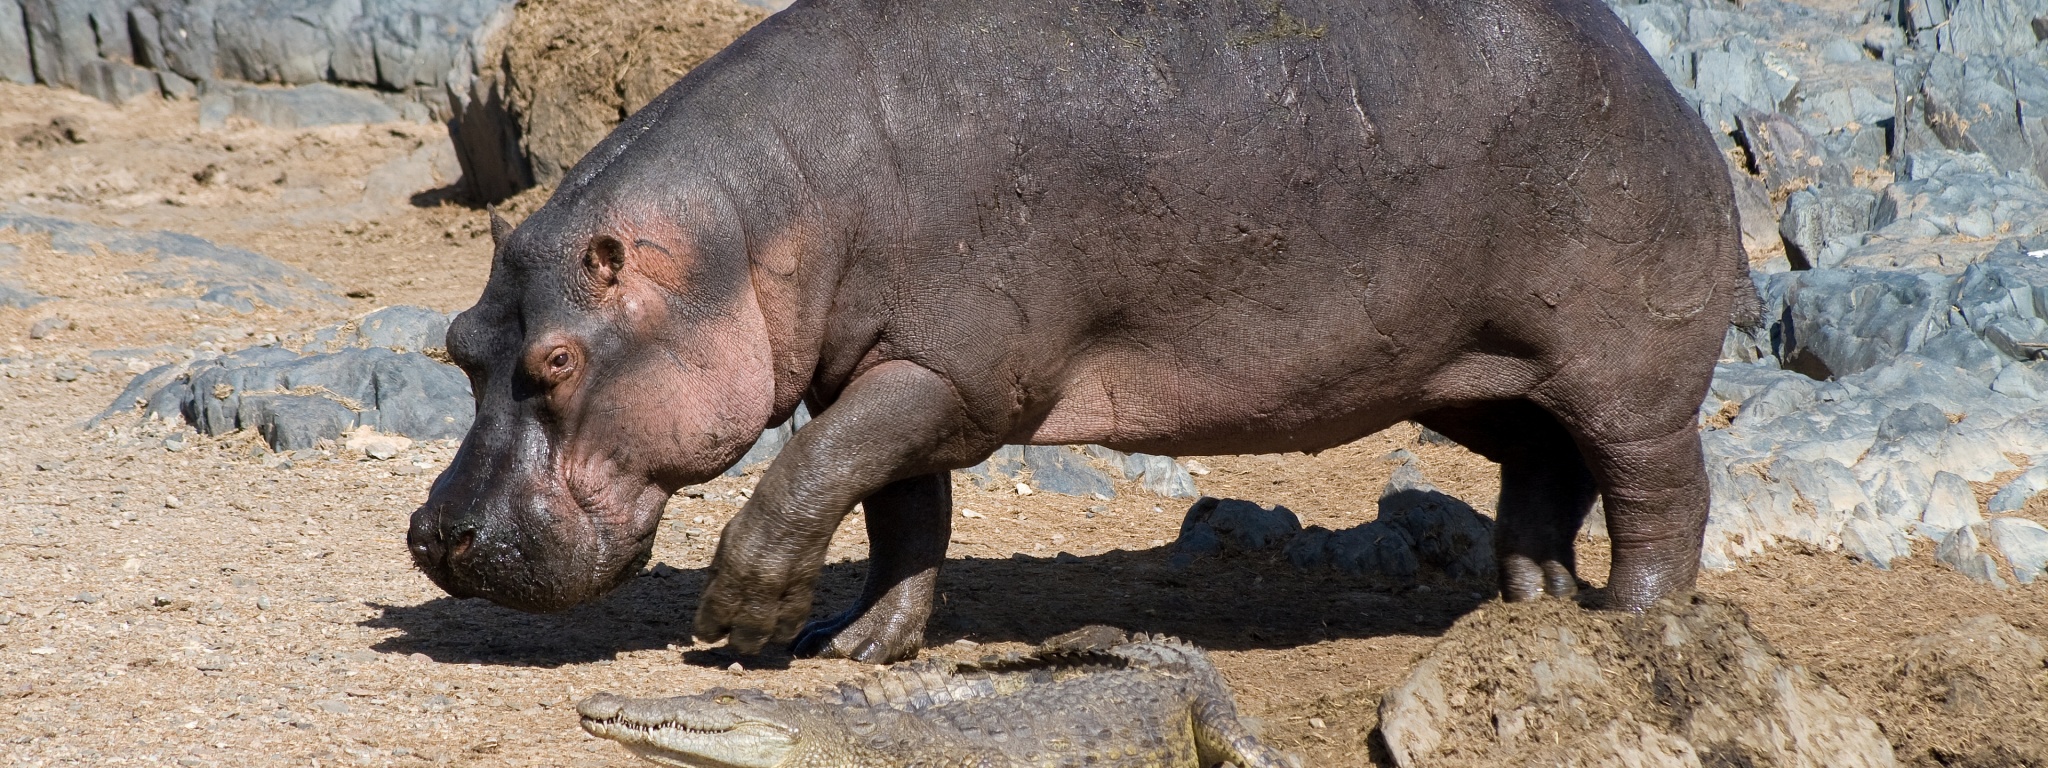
x=1149, y=703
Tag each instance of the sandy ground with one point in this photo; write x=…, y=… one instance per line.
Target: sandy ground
x=206, y=606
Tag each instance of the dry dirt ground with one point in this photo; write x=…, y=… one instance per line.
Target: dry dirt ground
x=205, y=606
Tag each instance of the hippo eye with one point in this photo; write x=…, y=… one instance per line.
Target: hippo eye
x=560, y=360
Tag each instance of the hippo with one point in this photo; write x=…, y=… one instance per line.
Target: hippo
x=1175, y=227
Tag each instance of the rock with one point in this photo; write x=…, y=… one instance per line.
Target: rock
x=1959, y=550
x=1064, y=469
x=1823, y=223
x=404, y=328
x=1241, y=525
x=296, y=400
x=115, y=82
x=1376, y=549
x=295, y=422
x=229, y=277
x=15, y=65
x=1874, y=541
x=1951, y=504
x=49, y=326
x=1052, y=468
x=176, y=86
x=572, y=86
x=1198, y=539
x=1443, y=531
x=61, y=39
x=376, y=445
x=1684, y=684
x=312, y=105
x=2014, y=496
x=2024, y=543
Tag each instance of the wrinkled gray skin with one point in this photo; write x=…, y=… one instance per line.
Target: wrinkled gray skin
x=1171, y=227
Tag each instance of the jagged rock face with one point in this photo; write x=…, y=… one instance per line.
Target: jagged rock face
x=1687, y=683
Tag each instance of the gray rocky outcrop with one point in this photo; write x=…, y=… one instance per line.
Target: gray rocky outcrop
x=1860, y=412
x=399, y=53
x=376, y=371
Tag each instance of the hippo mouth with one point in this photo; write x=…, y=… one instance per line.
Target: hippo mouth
x=540, y=554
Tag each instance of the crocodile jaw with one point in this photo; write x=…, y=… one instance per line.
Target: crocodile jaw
x=717, y=738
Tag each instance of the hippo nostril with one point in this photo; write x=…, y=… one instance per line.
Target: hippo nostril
x=460, y=549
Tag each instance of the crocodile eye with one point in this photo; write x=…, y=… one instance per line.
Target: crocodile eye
x=727, y=699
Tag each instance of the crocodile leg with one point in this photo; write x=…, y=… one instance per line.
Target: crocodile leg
x=909, y=523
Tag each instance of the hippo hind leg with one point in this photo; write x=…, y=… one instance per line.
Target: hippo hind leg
x=909, y=523
x=1545, y=491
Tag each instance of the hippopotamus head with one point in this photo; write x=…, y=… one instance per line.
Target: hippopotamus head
x=617, y=354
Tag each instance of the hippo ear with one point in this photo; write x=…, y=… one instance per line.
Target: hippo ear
x=605, y=259
x=500, y=228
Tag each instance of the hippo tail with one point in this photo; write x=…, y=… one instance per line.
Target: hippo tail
x=1748, y=312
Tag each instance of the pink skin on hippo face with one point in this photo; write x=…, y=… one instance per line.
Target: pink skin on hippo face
x=589, y=415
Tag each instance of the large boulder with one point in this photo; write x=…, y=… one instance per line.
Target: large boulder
x=554, y=80
x=1684, y=684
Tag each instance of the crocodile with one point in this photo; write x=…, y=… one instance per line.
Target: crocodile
x=1091, y=697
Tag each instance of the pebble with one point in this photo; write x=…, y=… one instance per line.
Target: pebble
x=1023, y=490
x=172, y=502
x=971, y=514
x=87, y=598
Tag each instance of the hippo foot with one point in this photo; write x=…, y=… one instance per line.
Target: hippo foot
x=1524, y=579
x=860, y=635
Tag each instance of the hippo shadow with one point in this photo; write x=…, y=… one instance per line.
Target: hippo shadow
x=1225, y=601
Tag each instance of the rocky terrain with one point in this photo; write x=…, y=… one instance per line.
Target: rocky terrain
x=222, y=391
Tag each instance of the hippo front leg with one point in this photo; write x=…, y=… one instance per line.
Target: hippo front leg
x=896, y=422
x=909, y=524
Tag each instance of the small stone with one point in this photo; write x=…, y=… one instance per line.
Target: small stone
x=214, y=663
x=736, y=668
x=263, y=603
x=1023, y=490
x=65, y=375
x=44, y=328
x=1959, y=550
x=971, y=514
x=336, y=706
x=1194, y=467
x=420, y=657
x=87, y=598
x=1317, y=722
x=175, y=443
x=437, y=703
x=42, y=651
x=162, y=600
x=172, y=502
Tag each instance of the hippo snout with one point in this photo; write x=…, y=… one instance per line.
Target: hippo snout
x=440, y=551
